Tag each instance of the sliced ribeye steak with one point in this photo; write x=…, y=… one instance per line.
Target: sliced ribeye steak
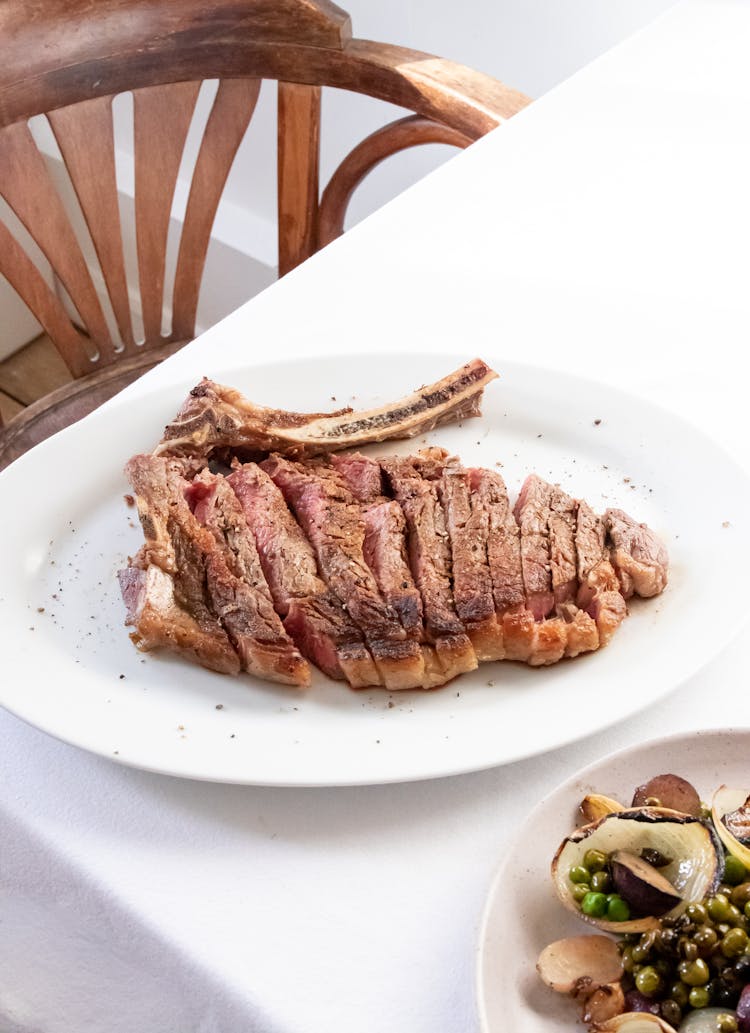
x=270, y=546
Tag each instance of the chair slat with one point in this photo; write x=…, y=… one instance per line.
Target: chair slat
x=230, y=116
x=27, y=186
x=25, y=278
x=162, y=116
x=298, y=164
x=85, y=136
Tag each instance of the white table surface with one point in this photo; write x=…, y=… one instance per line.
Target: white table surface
x=604, y=231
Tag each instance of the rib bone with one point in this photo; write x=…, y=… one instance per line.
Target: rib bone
x=214, y=417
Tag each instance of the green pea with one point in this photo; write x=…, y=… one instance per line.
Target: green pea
x=579, y=874
x=735, y=915
x=718, y=908
x=679, y=993
x=746, y=909
x=694, y=973
x=734, y=943
x=741, y=894
x=699, y=997
x=648, y=981
x=595, y=860
x=726, y=1023
x=688, y=949
x=617, y=908
x=705, y=939
x=594, y=905
x=627, y=959
x=641, y=952
x=600, y=882
x=579, y=891
x=734, y=870
x=671, y=1012
x=697, y=913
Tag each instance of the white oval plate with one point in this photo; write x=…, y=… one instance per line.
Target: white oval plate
x=523, y=914
x=70, y=669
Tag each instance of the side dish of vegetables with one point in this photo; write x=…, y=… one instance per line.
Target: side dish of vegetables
x=666, y=884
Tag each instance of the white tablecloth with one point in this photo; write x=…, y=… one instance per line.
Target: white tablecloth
x=604, y=231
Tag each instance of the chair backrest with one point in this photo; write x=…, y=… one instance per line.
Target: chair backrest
x=68, y=59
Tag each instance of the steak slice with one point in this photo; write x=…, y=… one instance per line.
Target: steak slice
x=173, y=544
x=313, y=617
x=385, y=553
x=532, y=512
x=562, y=545
x=332, y=521
x=430, y=561
x=214, y=416
x=286, y=556
x=384, y=547
x=537, y=643
x=363, y=475
x=206, y=582
x=239, y=592
x=467, y=521
x=640, y=559
x=160, y=623
x=504, y=561
x=599, y=590
x=324, y=632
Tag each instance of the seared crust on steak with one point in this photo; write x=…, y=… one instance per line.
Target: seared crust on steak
x=215, y=417
x=638, y=556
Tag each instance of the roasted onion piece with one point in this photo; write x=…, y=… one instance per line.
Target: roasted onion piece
x=580, y=962
x=636, y=1022
x=694, y=870
x=730, y=811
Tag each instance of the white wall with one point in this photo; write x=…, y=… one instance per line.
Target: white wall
x=530, y=44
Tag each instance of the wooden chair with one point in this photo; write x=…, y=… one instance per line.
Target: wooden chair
x=68, y=59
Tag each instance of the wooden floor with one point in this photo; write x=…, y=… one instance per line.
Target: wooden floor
x=30, y=374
